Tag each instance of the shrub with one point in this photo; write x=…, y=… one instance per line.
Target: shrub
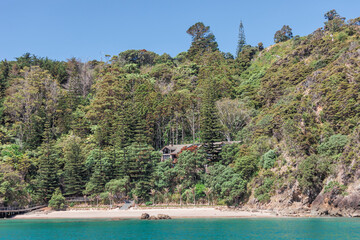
x=200, y=188
x=312, y=172
x=268, y=159
x=335, y=186
x=57, y=200
x=246, y=166
x=334, y=145
x=262, y=193
x=149, y=203
x=342, y=36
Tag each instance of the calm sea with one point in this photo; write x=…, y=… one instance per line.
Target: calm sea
x=298, y=228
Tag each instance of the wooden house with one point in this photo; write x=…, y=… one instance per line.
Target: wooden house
x=172, y=151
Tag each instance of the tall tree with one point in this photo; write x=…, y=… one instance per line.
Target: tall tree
x=209, y=121
x=74, y=167
x=32, y=98
x=202, y=39
x=241, y=39
x=284, y=34
x=334, y=21
x=47, y=172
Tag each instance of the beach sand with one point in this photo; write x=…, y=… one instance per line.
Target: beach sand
x=135, y=213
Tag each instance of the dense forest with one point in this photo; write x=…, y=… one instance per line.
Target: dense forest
x=95, y=128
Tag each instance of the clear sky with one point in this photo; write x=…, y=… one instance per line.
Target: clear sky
x=89, y=29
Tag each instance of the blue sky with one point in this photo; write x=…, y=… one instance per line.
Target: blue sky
x=88, y=29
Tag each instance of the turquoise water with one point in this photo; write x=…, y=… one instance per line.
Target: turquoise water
x=299, y=228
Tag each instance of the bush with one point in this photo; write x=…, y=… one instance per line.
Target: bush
x=246, y=166
x=268, y=159
x=335, y=186
x=57, y=200
x=149, y=203
x=342, y=36
x=333, y=146
x=312, y=172
x=262, y=192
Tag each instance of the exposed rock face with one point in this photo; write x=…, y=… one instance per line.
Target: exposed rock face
x=334, y=204
x=333, y=201
x=163, y=216
x=145, y=216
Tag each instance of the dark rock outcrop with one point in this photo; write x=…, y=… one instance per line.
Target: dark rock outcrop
x=153, y=218
x=163, y=216
x=145, y=216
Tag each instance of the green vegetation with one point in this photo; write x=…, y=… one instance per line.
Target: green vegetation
x=57, y=200
x=95, y=129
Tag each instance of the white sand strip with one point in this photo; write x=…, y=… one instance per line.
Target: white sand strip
x=136, y=213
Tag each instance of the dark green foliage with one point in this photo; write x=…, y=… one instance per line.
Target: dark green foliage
x=312, y=172
x=47, y=179
x=241, y=39
x=139, y=57
x=284, y=34
x=264, y=188
x=74, y=168
x=331, y=15
x=335, y=145
x=210, y=125
x=226, y=184
x=57, y=200
x=228, y=153
x=335, y=21
x=202, y=40
x=12, y=187
x=293, y=106
x=246, y=166
x=268, y=159
x=189, y=168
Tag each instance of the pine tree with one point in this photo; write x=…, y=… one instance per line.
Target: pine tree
x=140, y=162
x=74, y=168
x=47, y=177
x=209, y=123
x=241, y=40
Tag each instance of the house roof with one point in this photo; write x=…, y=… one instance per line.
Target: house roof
x=175, y=149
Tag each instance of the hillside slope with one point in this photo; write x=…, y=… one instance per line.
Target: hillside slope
x=307, y=93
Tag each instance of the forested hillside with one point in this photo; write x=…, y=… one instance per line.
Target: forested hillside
x=95, y=128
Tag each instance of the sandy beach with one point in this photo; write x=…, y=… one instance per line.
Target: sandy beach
x=206, y=212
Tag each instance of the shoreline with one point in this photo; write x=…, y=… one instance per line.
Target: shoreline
x=174, y=213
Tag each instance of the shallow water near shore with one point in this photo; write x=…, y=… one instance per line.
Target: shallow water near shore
x=245, y=228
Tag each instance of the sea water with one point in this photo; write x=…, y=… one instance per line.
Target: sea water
x=244, y=228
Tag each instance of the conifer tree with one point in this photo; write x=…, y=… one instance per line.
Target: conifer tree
x=209, y=123
x=140, y=162
x=74, y=168
x=241, y=39
x=47, y=177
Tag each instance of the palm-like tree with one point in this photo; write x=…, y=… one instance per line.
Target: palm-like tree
x=187, y=192
x=153, y=193
x=208, y=191
x=179, y=189
x=166, y=195
x=194, y=194
x=135, y=198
